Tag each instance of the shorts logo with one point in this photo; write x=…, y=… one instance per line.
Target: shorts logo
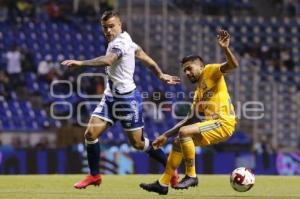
x=127, y=117
x=133, y=105
x=135, y=109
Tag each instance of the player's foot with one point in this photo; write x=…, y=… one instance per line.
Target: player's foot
x=155, y=187
x=187, y=182
x=174, y=179
x=88, y=180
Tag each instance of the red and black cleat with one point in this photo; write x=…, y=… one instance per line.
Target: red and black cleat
x=88, y=180
x=174, y=179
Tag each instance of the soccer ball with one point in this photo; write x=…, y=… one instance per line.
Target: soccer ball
x=242, y=179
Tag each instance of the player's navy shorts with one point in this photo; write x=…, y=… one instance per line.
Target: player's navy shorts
x=126, y=108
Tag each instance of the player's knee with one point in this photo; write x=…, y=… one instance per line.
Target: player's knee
x=183, y=132
x=176, y=145
x=90, y=134
x=176, y=142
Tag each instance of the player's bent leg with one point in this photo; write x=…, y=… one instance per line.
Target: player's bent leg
x=139, y=142
x=161, y=186
x=188, y=150
x=135, y=139
x=188, y=131
x=170, y=175
x=95, y=127
x=202, y=134
x=212, y=132
x=188, y=147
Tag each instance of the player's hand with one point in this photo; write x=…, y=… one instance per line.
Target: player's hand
x=223, y=38
x=159, y=141
x=169, y=79
x=72, y=63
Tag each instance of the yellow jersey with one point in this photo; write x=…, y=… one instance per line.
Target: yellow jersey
x=211, y=96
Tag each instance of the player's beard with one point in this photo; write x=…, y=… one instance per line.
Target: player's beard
x=192, y=79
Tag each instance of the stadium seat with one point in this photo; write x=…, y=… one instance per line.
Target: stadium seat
x=66, y=39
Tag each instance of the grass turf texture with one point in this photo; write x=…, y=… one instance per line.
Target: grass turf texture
x=127, y=187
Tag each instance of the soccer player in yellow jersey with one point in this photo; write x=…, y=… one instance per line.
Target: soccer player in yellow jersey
x=212, y=100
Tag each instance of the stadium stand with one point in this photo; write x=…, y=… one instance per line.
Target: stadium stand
x=263, y=76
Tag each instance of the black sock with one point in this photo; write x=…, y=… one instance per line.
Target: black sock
x=157, y=154
x=93, y=156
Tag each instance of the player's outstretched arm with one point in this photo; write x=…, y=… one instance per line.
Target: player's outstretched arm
x=106, y=60
x=162, y=139
x=148, y=61
x=224, y=41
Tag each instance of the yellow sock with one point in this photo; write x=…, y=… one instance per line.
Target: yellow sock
x=188, y=151
x=173, y=163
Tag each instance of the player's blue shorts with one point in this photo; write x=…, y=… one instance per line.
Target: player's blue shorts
x=128, y=109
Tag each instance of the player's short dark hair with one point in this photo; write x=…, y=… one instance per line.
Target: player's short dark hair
x=191, y=58
x=109, y=14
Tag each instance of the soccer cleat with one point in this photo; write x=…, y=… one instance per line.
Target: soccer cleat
x=155, y=187
x=174, y=179
x=187, y=182
x=88, y=180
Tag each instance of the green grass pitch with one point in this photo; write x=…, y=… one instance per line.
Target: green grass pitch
x=126, y=187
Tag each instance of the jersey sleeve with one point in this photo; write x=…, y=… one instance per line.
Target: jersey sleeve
x=135, y=46
x=119, y=47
